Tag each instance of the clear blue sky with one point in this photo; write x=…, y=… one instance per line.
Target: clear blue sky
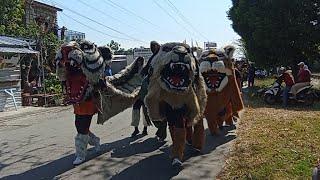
x=209, y=17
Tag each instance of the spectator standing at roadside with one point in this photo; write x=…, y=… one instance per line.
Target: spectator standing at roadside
x=251, y=75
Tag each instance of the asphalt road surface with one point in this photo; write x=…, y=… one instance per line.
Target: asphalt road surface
x=39, y=144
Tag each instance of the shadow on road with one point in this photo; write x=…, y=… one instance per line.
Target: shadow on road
x=59, y=166
x=159, y=166
x=148, y=145
x=156, y=166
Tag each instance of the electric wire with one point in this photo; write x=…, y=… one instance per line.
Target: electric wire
x=107, y=15
x=184, y=18
x=96, y=30
x=90, y=19
x=165, y=11
x=127, y=11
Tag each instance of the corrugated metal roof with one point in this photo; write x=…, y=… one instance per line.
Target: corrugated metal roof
x=10, y=41
x=17, y=50
x=14, y=45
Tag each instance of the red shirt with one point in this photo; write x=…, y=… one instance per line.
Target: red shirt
x=287, y=78
x=85, y=108
x=304, y=76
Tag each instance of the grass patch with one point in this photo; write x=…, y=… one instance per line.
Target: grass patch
x=274, y=143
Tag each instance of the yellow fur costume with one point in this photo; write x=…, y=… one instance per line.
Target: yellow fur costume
x=176, y=94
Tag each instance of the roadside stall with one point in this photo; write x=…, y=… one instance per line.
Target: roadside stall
x=12, y=50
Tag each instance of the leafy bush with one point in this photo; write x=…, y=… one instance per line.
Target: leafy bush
x=52, y=84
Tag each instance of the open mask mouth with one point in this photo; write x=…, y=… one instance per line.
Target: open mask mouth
x=213, y=79
x=176, y=76
x=76, y=86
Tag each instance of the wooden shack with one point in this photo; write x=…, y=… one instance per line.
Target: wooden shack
x=11, y=51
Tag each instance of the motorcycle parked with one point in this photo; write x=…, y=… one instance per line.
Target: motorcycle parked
x=304, y=96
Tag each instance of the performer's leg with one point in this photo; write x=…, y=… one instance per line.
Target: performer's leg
x=178, y=145
x=94, y=141
x=229, y=115
x=220, y=120
x=171, y=130
x=82, y=123
x=162, y=129
x=136, y=117
x=222, y=115
x=198, y=137
x=212, y=123
x=189, y=133
x=146, y=117
x=178, y=134
x=145, y=120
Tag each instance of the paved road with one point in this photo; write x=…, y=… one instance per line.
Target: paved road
x=39, y=145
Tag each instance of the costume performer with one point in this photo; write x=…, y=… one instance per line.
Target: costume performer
x=224, y=97
x=176, y=94
x=82, y=65
x=137, y=106
x=146, y=72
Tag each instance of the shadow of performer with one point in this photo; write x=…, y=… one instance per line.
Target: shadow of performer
x=159, y=166
x=64, y=164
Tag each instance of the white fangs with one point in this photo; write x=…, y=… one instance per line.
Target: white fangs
x=181, y=82
x=171, y=65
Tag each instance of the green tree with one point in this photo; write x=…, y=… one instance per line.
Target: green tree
x=241, y=46
x=116, y=48
x=278, y=32
x=11, y=17
x=114, y=45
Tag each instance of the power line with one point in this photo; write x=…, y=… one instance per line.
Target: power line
x=110, y=28
x=89, y=27
x=127, y=11
x=164, y=10
x=155, y=27
x=184, y=18
x=107, y=15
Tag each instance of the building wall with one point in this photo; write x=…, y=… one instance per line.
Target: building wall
x=146, y=53
x=35, y=10
x=74, y=35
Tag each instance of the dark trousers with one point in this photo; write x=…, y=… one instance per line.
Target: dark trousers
x=250, y=81
x=82, y=123
x=286, y=95
x=162, y=129
x=137, y=105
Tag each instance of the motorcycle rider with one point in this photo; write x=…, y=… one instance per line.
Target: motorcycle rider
x=287, y=78
x=304, y=78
